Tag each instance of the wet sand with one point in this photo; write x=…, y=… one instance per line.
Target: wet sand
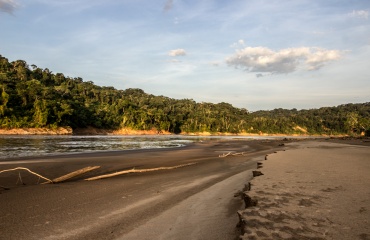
x=116, y=207
x=320, y=190
x=193, y=202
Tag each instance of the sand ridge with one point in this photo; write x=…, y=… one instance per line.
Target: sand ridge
x=318, y=191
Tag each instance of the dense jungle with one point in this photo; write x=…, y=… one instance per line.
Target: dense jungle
x=33, y=97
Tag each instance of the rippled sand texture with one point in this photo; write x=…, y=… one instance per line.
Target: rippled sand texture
x=318, y=191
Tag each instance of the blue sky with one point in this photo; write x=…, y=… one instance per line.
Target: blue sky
x=254, y=54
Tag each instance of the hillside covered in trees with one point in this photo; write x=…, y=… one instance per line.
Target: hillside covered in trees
x=34, y=97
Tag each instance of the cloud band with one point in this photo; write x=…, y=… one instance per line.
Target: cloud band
x=262, y=59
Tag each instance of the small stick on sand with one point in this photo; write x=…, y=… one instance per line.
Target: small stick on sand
x=237, y=154
x=231, y=154
x=225, y=155
x=19, y=178
x=74, y=174
x=26, y=169
x=137, y=171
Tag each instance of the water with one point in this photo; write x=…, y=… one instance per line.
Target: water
x=31, y=146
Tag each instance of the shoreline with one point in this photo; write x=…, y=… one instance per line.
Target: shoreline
x=135, y=203
x=101, y=152
x=110, y=208
x=126, y=131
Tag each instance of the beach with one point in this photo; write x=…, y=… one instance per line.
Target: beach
x=110, y=208
x=319, y=190
x=195, y=201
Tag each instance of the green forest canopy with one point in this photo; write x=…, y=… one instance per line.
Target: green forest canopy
x=36, y=97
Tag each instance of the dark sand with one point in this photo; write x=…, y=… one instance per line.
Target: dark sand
x=194, y=202
x=117, y=207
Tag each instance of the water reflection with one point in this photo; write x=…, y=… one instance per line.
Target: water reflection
x=23, y=146
x=37, y=145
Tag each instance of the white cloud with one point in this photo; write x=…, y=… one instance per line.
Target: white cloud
x=177, y=52
x=360, y=14
x=262, y=59
x=8, y=6
x=319, y=57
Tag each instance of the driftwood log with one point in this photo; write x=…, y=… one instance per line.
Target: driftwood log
x=26, y=169
x=231, y=154
x=56, y=180
x=74, y=174
x=225, y=155
x=138, y=171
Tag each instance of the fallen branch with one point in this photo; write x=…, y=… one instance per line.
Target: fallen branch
x=26, y=169
x=231, y=154
x=20, y=179
x=74, y=174
x=237, y=154
x=138, y=171
x=225, y=155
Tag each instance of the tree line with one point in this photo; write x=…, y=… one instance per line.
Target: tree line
x=34, y=97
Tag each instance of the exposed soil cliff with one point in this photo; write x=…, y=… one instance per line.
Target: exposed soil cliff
x=122, y=131
x=37, y=131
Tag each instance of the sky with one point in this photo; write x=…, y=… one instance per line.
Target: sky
x=254, y=54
